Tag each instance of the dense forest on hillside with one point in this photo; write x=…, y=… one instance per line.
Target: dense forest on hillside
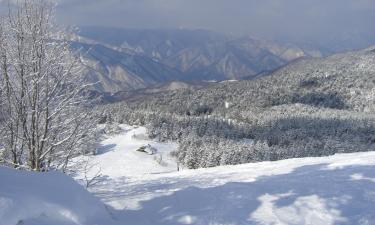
x=312, y=107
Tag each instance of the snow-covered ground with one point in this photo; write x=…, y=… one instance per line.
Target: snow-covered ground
x=118, y=156
x=140, y=191
x=53, y=198
x=330, y=190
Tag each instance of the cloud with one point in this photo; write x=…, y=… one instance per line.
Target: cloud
x=314, y=20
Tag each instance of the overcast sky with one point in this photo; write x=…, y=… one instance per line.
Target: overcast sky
x=293, y=19
x=264, y=16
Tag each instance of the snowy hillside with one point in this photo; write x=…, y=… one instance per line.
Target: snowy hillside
x=118, y=156
x=329, y=190
x=141, y=190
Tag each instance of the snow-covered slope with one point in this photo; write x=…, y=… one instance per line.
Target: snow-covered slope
x=118, y=156
x=329, y=190
x=28, y=198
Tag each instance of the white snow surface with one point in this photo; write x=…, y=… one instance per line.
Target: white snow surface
x=118, y=156
x=338, y=189
x=28, y=198
x=138, y=190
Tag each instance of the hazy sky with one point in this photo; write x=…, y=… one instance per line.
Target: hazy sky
x=301, y=17
x=291, y=19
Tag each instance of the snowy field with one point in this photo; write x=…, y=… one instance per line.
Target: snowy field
x=142, y=190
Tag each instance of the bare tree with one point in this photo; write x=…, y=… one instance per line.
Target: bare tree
x=43, y=113
x=95, y=178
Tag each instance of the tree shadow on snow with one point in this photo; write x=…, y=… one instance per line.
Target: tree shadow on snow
x=310, y=193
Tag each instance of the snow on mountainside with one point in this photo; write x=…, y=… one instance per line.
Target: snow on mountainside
x=158, y=56
x=134, y=95
x=142, y=191
x=156, y=43
x=113, y=71
x=339, y=81
x=328, y=190
x=233, y=59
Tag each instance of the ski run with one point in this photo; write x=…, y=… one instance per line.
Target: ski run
x=141, y=184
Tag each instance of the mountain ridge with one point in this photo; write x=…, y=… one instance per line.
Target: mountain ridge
x=185, y=55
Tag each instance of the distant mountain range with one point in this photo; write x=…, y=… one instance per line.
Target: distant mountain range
x=113, y=71
x=124, y=59
x=233, y=59
x=342, y=81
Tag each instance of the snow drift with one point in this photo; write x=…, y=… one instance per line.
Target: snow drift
x=28, y=198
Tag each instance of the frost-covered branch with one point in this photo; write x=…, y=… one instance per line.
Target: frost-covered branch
x=43, y=115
